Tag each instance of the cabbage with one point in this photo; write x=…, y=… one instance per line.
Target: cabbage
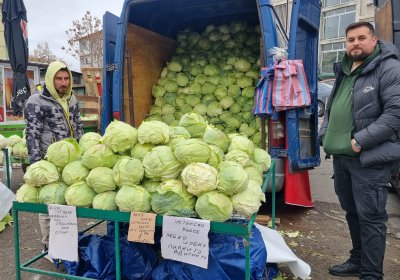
x=101, y=179
x=242, y=143
x=157, y=91
x=193, y=123
x=74, y=172
x=237, y=156
x=232, y=178
x=27, y=193
x=247, y=202
x=216, y=156
x=40, y=173
x=200, y=178
x=214, y=136
x=154, y=132
x=79, y=195
x=254, y=172
x=214, y=206
x=242, y=65
x=89, y=139
x=151, y=186
x=172, y=198
x=161, y=164
x=62, y=152
x=20, y=150
x=262, y=158
x=53, y=193
x=133, y=199
x=139, y=150
x=128, y=172
x=192, y=150
x=99, y=155
x=105, y=201
x=120, y=136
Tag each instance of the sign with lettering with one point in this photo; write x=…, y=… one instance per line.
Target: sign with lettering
x=185, y=240
x=142, y=227
x=63, y=240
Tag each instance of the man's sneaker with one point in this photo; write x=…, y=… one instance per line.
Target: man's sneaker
x=345, y=269
x=45, y=250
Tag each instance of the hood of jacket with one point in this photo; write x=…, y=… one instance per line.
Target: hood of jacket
x=53, y=68
x=387, y=51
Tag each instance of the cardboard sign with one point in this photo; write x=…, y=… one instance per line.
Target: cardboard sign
x=142, y=227
x=185, y=240
x=63, y=240
x=6, y=199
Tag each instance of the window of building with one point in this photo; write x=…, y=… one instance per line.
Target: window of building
x=328, y=3
x=336, y=21
x=331, y=53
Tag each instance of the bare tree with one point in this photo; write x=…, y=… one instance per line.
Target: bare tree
x=42, y=53
x=85, y=40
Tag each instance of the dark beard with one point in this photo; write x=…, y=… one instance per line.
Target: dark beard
x=359, y=57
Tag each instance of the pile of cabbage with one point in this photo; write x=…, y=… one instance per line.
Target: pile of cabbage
x=212, y=73
x=190, y=170
x=16, y=145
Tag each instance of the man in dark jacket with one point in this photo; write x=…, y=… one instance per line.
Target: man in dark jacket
x=361, y=131
x=50, y=116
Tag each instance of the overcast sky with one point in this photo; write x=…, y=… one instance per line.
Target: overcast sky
x=48, y=20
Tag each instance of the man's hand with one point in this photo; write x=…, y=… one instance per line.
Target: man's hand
x=355, y=146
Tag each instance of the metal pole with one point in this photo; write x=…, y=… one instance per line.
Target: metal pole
x=16, y=245
x=117, y=252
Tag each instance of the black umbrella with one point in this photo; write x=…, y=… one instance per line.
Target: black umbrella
x=16, y=37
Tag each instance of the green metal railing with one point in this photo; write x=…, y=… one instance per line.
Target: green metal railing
x=243, y=229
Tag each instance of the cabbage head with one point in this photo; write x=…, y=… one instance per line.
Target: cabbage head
x=232, y=178
x=99, y=155
x=254, y=172
x=153, y=132
x=128, y=172
x=214, y=206
x=216, y=156
x=89, y=139
x=139, y=150
x=238, y=156
x=200, y=178
x=172, y=198
x=20, y=150
x=133, y=199
x=53, y=193
x=74, y=172
x=242, y=143
x=248, y=202
x=262, y=158
x=161, y=164
x=41, y=173
x=194, y=123
x=151, y=186
x=62, y=152
x=192, y=150
x=101, y=179
x=214, y=136
x=79, y=195
x=27, y=193
x=105, y=201
x=120, y=136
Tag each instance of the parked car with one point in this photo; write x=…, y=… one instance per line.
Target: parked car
x=324, y=90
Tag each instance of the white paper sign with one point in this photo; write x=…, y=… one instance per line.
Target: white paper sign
x=6, y=199
x=185, y=240
x=63, y=240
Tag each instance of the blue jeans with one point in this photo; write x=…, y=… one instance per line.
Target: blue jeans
x=362, y=193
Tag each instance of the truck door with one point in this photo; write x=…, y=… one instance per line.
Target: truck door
x=302, y=124
x=110, y=23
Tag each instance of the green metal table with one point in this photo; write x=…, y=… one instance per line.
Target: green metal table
x=238, y=229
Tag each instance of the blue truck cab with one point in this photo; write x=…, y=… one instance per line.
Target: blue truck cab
x=139, y=43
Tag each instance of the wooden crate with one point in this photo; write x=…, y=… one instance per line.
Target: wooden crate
x=90, y=105
x=93, y=80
